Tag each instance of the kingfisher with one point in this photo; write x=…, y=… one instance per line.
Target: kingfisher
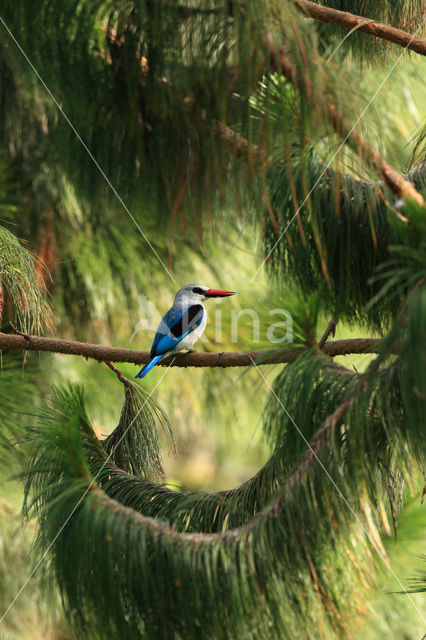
x=183, y=324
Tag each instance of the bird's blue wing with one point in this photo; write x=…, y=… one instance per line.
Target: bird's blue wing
x=176, y=324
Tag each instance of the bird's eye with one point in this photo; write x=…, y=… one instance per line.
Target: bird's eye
x=198, y=290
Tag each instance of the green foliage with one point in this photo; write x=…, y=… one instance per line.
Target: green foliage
x=418, y=582
x=134, y=445
x=144, y=84
x=20, y=281
x=397, y=615
x=22, y=296
x=407, y=267
x=346, y=230
x=185, y=75
x=31, y=616
x=12, y=414
x=150, y=86
x=159, y=69
x=249, y=570
x=153, y=580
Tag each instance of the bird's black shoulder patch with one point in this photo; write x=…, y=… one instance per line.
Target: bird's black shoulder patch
x=190, y=319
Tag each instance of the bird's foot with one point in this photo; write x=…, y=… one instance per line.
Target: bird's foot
x=191, y=351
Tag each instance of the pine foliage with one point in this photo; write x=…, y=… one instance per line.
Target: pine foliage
x=20, y=282
x=158, y=580
x=177, y=76
x=161, y=69
x=344, y=248
x=134, y=445
x=191, y=117
x=137, y=559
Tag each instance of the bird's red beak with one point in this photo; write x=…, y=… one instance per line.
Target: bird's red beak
x=217, y=293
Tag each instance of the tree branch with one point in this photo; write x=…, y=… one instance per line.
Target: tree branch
x=395, y=181
x=280, y=63
x=350, y=21
x=118, y=373
x=240, y=145
x=103, y=353
x=272, y=510
x=331, y=329
x=401, y=185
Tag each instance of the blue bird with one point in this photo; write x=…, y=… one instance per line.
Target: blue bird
x=183, y=324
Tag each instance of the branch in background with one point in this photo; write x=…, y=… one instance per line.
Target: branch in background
x=324, y=14
x=351, y=21
x=395, y=181
x=331, y=329
x=241, y=146
x=102, y=353
x=400, y=185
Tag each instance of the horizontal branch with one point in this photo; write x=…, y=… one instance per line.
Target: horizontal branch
x=351, y=21
x=10, y=342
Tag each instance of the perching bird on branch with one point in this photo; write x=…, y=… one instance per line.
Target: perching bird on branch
x=183, y=324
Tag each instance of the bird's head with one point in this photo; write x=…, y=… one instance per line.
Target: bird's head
x=196, y=293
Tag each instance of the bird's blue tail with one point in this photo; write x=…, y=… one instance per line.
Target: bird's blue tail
x=142, y=373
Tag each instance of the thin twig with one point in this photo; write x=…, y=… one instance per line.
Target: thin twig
x=20, y=333
x=119, y=373
x=331, y=329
